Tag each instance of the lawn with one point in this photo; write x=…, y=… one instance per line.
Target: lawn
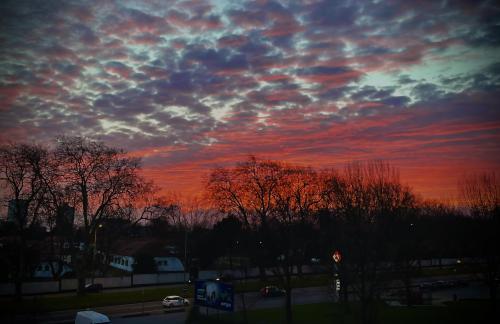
x=467, y=311
x=50, y=303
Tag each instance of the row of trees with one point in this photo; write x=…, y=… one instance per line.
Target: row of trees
x=363, y=210
x=276, y=214
x=100, y=182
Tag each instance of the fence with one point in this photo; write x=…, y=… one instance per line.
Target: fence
x=42, y=287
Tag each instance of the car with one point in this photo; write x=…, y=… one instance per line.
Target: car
x=401, y=295
x=93, y=287
x=91, y=317
x=315, y=260
x=271, y=291
x=227, y=277
x=174, y=301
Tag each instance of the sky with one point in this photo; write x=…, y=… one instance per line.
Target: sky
x=193, y=85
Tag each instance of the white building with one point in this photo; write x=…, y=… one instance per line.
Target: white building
x=44, y=270
x=162, y=254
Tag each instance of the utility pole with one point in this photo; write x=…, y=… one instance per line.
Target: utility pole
x=185, y=252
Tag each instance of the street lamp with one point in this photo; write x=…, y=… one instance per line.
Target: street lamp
x=95, y=238
x=185, y=252
x=95, y=250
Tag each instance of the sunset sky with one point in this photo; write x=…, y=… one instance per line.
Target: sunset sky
x=190, y=85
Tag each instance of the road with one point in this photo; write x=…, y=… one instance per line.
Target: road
x=127, y=313
x=131, y=313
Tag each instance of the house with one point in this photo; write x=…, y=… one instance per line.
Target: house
x=55, y=250
x=44, y=269
x=122, y=256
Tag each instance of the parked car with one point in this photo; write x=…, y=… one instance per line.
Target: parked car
x=416, y=296
x=272, y=291
x=96, y=287
x=91, y=317
x=227, y=277
x=174, y=301
x=442, y=284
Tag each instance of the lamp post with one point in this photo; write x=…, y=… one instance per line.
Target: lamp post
x=185, y=253
x=337, y=257
x=95, y=238
x=95, y=251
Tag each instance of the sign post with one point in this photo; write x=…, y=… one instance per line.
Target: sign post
x=337, y=257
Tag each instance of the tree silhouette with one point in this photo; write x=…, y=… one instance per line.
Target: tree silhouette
x=22, y=168
x=481, y=194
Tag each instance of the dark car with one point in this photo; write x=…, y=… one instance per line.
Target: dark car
x=272, y=291
x=96, y=287
x=227, y=277
x=416, y=296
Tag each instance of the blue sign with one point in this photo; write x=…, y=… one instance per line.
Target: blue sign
x=214, y=294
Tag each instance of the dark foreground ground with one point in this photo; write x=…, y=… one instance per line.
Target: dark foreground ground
x=464, y=311
x=311, y=305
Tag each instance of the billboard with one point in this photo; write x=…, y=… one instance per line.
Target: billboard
x=214, y=294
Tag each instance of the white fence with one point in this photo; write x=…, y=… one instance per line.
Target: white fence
x=41, y=287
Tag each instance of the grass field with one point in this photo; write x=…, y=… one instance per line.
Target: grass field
x=467, y=311
x=50, y=303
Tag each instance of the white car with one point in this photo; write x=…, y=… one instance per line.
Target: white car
x=91, y=317
x=174, y=301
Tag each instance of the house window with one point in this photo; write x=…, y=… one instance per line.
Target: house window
x=46, y=267
x=126, y=262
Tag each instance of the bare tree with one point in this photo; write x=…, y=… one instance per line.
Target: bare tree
x=295, y=199
x=247, y=191
x=22, y=168
x=274, y=200
x=367, y=198
x=101, y=180
x=481, y=194
x=195, y=212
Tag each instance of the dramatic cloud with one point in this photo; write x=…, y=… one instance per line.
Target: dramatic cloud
x=189, y=85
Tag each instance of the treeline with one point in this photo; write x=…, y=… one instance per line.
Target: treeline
x=44, y=186
x=363, y=211
x=275, y=215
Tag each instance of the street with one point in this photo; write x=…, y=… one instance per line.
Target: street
x=155, y=313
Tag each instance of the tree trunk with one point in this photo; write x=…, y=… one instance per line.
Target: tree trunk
x=262, y=273
x=19, y=289
x=20, y=272
x=243, y=302
x=288, y=292
x=407, y=282
x=299, y=269
x=364, y=312
x=493, y=298
x=81, y=285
